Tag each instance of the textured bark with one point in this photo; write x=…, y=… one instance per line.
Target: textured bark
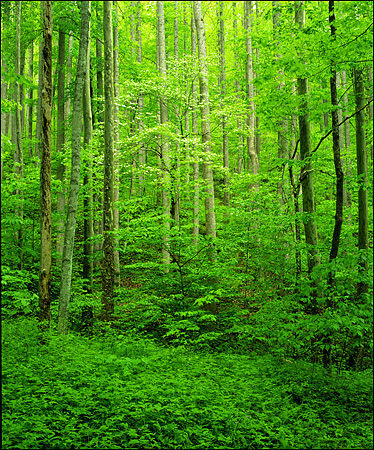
x=97, y=197
x=283, y=121
x=39, y=105
x=164, y=143
x=336, y=144
x=210, y=215
x=18, y=153
x=347, y=143
x=87, y=181
x=370, y=107
x=30, y=97
x=72, y=206
x=252, y=158
x=176, y=195
x=142, y=150
x=240, y=158
x=195, y=164
x=362, y=174
x=222, y=82
x=45, y=172
x=310, y=225
x=117, y=275
x=60, y=144
x=107, y=299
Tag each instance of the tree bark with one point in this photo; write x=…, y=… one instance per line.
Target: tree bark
x=18, y=154
x=87, y=180
x=195, y=133
x=72, y=206
x=45, y=172
x=39, y=105
x=336, y=152
x=305, y=149
x=107, y=299
x=142, y=154
x=225, y=140
x=60, y=145
x=117, y=275
x=252, y=158
x=31, y=95
x=210, y=215
x=164, y=143
x=362, y=174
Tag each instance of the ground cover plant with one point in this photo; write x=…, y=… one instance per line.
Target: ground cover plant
x=124, y=392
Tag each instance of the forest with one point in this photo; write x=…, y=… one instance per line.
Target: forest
x=187, y=224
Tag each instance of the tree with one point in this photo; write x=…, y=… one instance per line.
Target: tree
x=252, y=161
x=72, y=206
x=45, y=172
x=210, y=215
x=165, y=157
x=222, y=83
x=310, y=225
x=362, y=174
x=107, y=299
x=60, y=141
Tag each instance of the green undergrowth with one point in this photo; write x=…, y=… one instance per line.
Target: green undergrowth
x=119, y=392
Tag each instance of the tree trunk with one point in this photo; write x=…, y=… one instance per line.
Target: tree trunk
x=18, y=154
x=31, y=95
x=164, y=144
x=195, y=164
x=87, y=183
x=72, y=206
x=282, y=122
x=39, y=105
x=305, y=149
x=240, y=158
x=362, y=174
x=210, y=215
x=176, y=193
x=60, y=145
x=141, y=185
x=45, y=172
x=97, y=197
x=336, y=153
x=225, y=140
x=252, y=158
x=107, y=299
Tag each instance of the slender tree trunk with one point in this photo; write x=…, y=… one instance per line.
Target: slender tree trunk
x=39, y=105
x=282, y=122
x=210, y=215
x=18, y=154
x=176, y=194
x=195, y=164
x=347, y=143
x=141, y=185
x=117, y=275
x=31, y=95
x=87, y=182
x=305, y=149
x=72, y=206
x=164, y=145
x=45, y=172
x=370, y=107
x=97, y=197
x=336, y=151
x=60, y=144
x=252, y=158
x=107, y=299
x=362, y=174
x=240, y=158
x=225, y=140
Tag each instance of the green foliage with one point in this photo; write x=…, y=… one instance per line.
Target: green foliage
x=121, y=392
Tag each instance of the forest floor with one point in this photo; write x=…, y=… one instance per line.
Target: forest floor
x=119, y=392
